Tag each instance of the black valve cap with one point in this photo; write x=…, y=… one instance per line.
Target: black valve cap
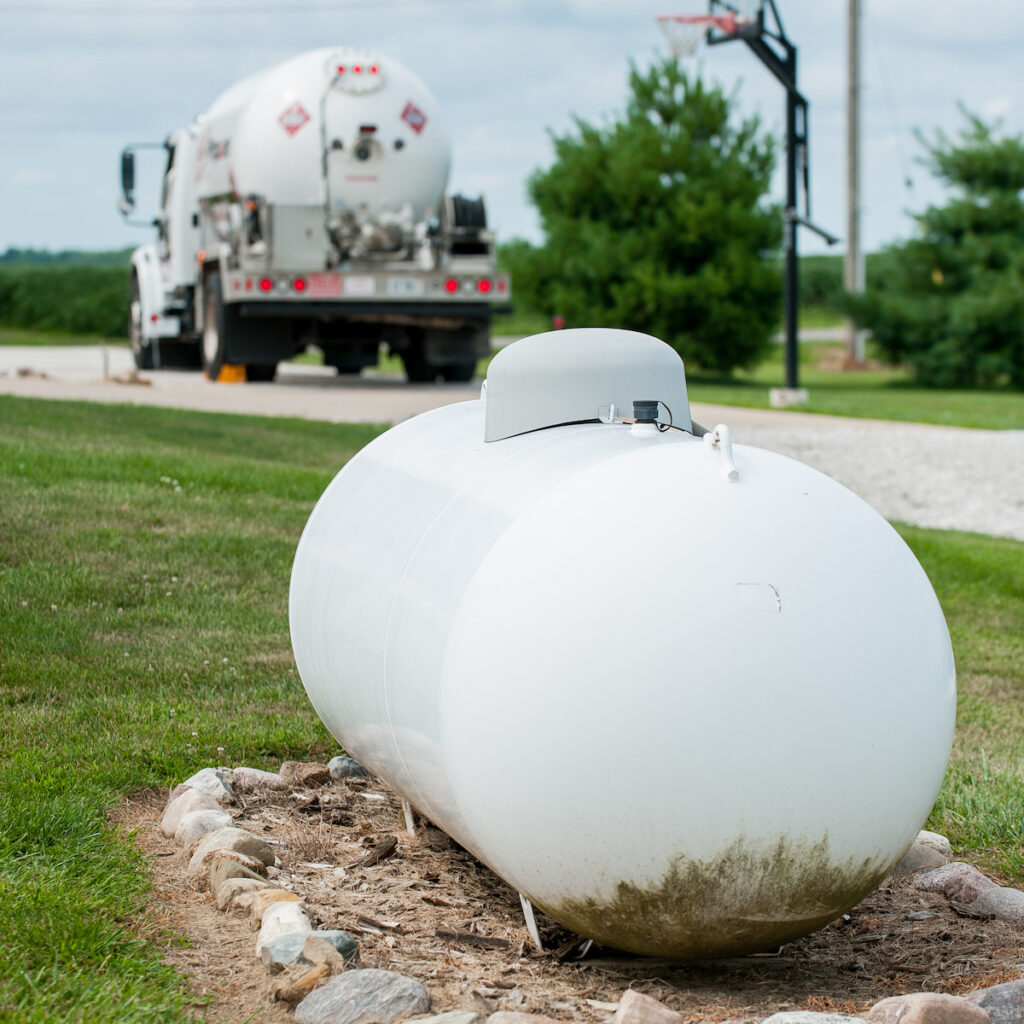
x=645, y=412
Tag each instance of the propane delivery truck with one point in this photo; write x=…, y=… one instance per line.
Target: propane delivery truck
x=308, y=206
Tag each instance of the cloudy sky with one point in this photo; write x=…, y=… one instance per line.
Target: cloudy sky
x=80, y=78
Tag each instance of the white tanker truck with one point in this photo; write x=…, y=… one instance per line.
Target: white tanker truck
x=308, y=207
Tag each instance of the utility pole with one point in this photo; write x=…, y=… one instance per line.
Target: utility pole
x=853, y=263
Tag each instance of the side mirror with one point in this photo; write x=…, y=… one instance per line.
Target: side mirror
x=127, y=178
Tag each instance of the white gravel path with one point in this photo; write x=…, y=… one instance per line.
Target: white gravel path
x=943, y=477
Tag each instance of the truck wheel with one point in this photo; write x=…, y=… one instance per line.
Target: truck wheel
x=179, y=355
x=219, y=325
x=141, y=352
x=260, y=371
x=458, y=373
x=418, y=370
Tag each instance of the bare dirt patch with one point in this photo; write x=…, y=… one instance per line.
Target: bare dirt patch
x=430, y=910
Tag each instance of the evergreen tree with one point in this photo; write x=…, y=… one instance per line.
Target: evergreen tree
x=656, y=223
x=952, y=304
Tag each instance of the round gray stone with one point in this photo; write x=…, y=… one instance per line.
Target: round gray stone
x=364, y=997
x=196, y=824
x=345, y=768
x=248, y=780
x=1002, y=902
x=810, y=1017
x=1004, y=1003
x=215, y=782
x=284, y=951
x=957, y=881
x=184, y=800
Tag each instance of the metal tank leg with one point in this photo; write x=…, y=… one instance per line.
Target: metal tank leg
x=531, y=922
x=410, y=821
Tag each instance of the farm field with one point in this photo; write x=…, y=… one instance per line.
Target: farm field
x=144, y=563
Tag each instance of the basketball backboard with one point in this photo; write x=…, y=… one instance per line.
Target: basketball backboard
x=735, y=19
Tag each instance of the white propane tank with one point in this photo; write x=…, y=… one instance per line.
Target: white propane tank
x=365, y=118
x=692, y=700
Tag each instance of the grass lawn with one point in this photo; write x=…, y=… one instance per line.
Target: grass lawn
x=23, y=336
x=144, y=563
x=884, y=394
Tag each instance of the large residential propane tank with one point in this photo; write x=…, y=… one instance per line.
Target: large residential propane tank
x=691, y=699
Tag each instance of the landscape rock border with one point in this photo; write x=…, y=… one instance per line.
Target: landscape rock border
x=234, y=865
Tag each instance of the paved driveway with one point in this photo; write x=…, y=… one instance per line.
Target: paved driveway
x=931, y=476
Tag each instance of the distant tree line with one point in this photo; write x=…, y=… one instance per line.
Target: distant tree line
x=73, y=296
x=78, y=257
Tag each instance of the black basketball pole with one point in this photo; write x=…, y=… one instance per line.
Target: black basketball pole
x=792, y=286
x=778, y=54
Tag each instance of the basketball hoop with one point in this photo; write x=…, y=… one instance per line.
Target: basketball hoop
x=684, y=32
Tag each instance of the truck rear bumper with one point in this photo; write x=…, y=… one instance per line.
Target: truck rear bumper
x=382, y=312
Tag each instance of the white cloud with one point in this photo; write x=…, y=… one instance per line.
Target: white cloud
x=33, y=177
x=75, y=89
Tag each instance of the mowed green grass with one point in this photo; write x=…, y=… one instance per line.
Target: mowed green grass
x=144, y=563
x=26, y=336
x=884, y=393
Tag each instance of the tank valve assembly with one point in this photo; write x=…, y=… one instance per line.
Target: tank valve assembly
x=721, y=439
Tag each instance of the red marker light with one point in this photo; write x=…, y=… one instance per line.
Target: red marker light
x=266, y=284
x=374, y=69
x=153, y=317
x=483, y=285
x=248, y=284
x=451, y=285
x=341, y=69
x=358, y=69
x=502, y=285
x=299, y=284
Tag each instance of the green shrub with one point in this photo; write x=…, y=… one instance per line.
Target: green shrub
x=951, y=304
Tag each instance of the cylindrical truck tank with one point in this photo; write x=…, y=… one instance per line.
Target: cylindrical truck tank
x=273, y=133
x=691, y=701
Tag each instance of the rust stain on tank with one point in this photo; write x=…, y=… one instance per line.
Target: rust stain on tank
x=747, y=900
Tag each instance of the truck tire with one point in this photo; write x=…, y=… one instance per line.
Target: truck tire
x=142, y=352
x=260, y=371
x=458, y=373
x=179, y=355
x=220, y=326
x=418, y=370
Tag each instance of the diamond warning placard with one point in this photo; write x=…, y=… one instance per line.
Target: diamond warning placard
x=414, y=117
x=292, y=119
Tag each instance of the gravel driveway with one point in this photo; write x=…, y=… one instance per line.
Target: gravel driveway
x=931, y=476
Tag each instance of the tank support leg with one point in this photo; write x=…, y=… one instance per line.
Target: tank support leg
x=531, y=922
x=410, y=821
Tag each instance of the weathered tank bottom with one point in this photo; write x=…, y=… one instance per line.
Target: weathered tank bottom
x=745, y=901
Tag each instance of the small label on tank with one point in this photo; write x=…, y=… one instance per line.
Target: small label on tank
x=757, y=597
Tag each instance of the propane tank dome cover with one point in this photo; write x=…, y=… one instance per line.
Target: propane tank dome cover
x=576, y=375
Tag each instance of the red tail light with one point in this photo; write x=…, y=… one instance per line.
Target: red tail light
x=451, y=285
x=299, y=284
x=266, y=284
x=483, y=285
